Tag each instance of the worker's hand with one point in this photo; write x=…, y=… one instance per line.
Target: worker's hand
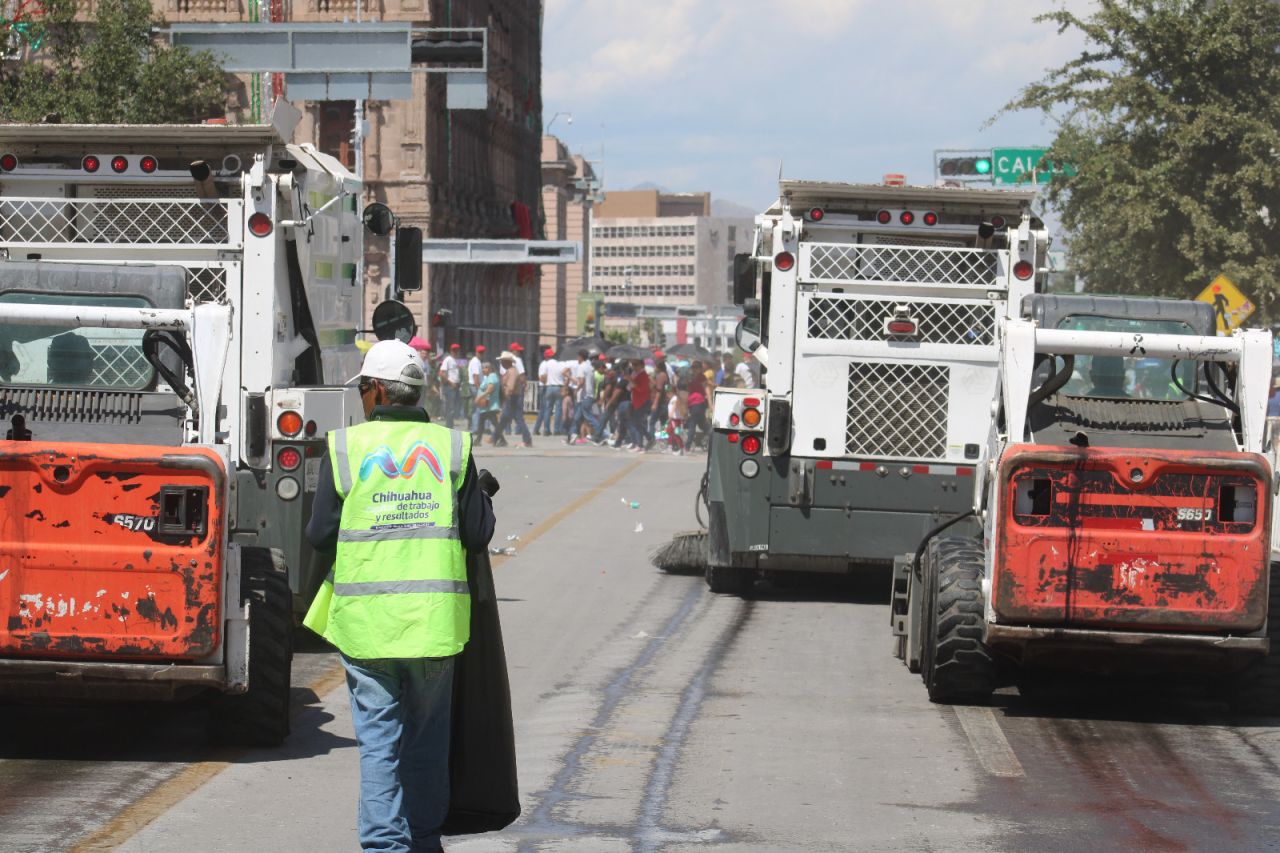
x=487, y=482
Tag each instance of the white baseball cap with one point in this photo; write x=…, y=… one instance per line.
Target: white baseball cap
x=388, y=361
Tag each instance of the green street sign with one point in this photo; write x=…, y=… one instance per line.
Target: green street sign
x=1016, y=165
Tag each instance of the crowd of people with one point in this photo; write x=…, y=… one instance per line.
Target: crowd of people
x=635, y=404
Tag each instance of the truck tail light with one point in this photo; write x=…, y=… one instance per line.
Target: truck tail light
x=884, y=217
x=901, y=327
x=906, y=217
x=91, y=164
x=930, y=218
x=751, y=445
x=815, y=214
x=783, y=261
x=1023, y=270
x=733, y=438
x=289, y=458
x=289, y=423
x=119, y=164
x=8, y=162
x=260, y=225
x=148, y=164
x=998, y=221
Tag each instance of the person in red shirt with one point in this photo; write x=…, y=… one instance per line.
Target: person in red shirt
x=641, y=403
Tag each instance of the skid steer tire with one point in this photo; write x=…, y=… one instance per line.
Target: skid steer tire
x=728, y=580
x=260, y=716
x=957, y=668
x=1255, y=690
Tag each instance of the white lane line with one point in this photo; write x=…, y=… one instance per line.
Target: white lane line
x=988, y=741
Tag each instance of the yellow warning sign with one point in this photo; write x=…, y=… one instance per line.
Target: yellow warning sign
x=1230, y=307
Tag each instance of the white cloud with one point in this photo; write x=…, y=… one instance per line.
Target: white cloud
x=700, y=94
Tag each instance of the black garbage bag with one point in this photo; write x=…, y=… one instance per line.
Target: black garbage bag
x=483, y=795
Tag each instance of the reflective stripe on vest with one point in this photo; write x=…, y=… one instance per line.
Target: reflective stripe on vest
x=398, y=588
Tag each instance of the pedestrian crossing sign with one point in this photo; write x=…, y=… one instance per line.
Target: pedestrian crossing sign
x=1230, y=306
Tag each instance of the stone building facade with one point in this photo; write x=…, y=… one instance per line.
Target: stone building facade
x=568, y=190
x=453, y=173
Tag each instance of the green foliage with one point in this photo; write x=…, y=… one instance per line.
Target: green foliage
x=111, y=72
x=1172, y=115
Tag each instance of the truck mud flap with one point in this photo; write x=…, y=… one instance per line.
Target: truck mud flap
x=110, y=551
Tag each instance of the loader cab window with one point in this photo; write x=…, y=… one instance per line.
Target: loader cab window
x=57, y=357
x=1124, y=377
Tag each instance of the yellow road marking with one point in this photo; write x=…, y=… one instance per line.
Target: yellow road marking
x=137, y=815
x=564, y=512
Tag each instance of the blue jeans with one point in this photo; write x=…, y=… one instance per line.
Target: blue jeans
x=452, y=406
x=584, y=413
x=513, y=416
x=401, y=713
x=640, y=424
x=547, y=410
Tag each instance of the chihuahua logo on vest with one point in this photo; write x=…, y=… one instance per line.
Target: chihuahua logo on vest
x=383, y=460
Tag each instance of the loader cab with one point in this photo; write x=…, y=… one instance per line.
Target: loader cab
x=1130, y=400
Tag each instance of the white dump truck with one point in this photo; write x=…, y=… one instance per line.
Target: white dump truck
x=875, y=312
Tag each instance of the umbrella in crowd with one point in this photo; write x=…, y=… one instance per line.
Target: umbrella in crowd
x=594, y=346
x=693, y=352
x=628, y=352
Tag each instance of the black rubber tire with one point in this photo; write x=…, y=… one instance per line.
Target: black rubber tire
x=728, y=580
x=1255, y=690
x=260, y=715
x=957, y=667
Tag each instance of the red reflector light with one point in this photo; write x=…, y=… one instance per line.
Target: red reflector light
x=148, y=164
x=733, y=438
x=289, y=423
x=906, y=217
x=920, y=469
x=310, y=428
x=902, y=327
x=289, y=458
x=784, y=261
x=751, y=445
x=964, y=472
x=1023, y=270
x=119, y=164
x=816, y=214
x=751, y=401
x=91, y=164
x=997, y=221
x=734, y=420
x=823, y=465
x=866, y=466
x=8, y=162
x=260, y=225
x=930, y=219
x=884, y=217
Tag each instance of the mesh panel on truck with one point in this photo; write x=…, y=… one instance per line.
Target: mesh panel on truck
x=845, y=319
x=902, y=264
x=897, y=410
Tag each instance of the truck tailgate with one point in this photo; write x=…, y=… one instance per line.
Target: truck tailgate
x=110, y=551
x=1118, y=539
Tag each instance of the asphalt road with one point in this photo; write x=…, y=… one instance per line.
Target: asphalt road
x=652, y=715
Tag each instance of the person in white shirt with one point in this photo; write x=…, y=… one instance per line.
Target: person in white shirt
x=474, y=377
x=517, y=357
x=450, y=381
x=582, y=376
x=550, y=384
x=744, y=373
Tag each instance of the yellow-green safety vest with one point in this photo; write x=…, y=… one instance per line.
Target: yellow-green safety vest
x=398, y=588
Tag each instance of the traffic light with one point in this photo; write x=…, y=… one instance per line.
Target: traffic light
x=441, y=318
x=964, y=167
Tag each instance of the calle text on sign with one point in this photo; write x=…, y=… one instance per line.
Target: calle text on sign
x=1020, y=165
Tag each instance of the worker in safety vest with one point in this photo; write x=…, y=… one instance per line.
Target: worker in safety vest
x=399, y=505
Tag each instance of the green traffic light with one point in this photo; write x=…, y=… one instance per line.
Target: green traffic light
x=982, y=166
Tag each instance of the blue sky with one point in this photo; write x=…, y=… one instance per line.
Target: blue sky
x=712, y=94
